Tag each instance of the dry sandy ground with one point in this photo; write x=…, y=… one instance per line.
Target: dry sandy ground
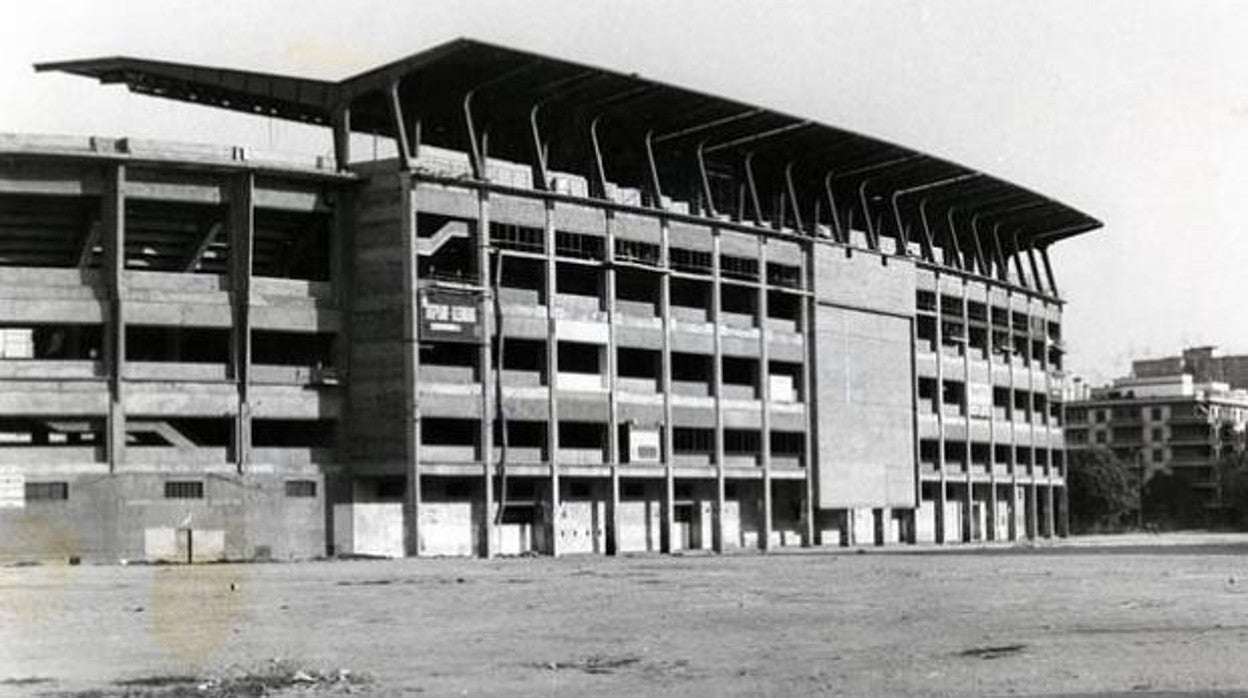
x=1072, y=619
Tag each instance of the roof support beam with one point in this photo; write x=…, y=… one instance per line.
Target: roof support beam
x=1048, y=270
x=653, y=165
x=1035, y=269
x=752, y=188
x=791, y=190
x=705, y=178
x=705, y=125
x=902, y=229
x=400, y=127
x=838, y=231
x=873, y=235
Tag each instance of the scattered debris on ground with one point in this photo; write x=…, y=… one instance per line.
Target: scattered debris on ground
x=993, y=652
x=277, y=677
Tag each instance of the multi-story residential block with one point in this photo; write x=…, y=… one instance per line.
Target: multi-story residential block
x=1164, y=423
x=564, y=310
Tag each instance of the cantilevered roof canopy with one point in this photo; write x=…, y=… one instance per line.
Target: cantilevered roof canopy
x=496, y=102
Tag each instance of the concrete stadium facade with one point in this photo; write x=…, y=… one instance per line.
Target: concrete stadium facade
x=576, y=312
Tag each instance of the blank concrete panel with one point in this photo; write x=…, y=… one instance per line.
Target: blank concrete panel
x=865, y=398
x=864, y=280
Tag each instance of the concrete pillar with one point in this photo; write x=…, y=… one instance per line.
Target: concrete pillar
x=113, y=277
x=669, y=482
x=1032, y=518
x=242, y=242
x=717, y=388
x=411, y=358
x=552, y=370
x=490, y=330
x=613, y=406
x=764, y=390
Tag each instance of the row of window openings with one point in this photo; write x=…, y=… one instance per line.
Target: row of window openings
x=530, y=435
x=956, y=452
x=952, y=308
x=1136, y=435
x=154, y=431
x=524, y=361
x=1126, y=412
x=160, y=343
x=582, y=246
x=173, y=489
x=169, y=237
x=1007, y=404
x=1005, y=346
x=637, y=293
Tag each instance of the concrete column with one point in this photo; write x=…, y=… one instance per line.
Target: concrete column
x=552, y=370
x=1064, y=521
x=113, y=278
x=242, y=243
x=942, y=462
x=489, y=381
x=1050, y=528
x=764, y=390
x=1032, y=513
x=717, y=388
x=411, y=358
x=968, y=527
x=342, y=273
x=669, y=480
x=812, y=534
x=613, y=405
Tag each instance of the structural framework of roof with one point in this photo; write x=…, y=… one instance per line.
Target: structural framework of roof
x=613, y=127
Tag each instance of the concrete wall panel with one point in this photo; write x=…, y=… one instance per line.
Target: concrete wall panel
x=864, y=392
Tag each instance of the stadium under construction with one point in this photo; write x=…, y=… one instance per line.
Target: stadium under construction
x=564, y=310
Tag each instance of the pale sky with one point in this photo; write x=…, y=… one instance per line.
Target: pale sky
x=1134, y=111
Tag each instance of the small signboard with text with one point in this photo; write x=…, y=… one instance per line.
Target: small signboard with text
x=980, y=400
x=12, y=489
x=449, y=316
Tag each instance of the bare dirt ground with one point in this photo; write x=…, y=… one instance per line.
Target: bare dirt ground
x=1147, y=615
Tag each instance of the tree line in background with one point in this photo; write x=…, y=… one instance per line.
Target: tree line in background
x=1109, y=494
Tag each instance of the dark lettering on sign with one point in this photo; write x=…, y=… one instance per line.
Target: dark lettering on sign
x=449, y=317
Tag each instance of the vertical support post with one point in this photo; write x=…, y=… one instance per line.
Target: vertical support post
x=113, y=277
x=342, y=268
x=1064, y=522
x=941, y=461
x=968, y=458
x=1033, y=524
x=764, y=393
x=242, y=242
x=1050, y=528
x=994, y=502
x=342, y=138
x=552, y=370
x=717, y=388
x=811, y=533
x=613, y=398
x=489, y=332
x=411, y=359
x=669, y=476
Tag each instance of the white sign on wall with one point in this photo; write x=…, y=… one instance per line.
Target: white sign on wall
x=979, y=400
x=12, y=489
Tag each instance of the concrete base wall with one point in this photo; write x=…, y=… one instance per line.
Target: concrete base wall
x=109, y=518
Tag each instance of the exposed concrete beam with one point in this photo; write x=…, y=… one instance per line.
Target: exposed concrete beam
x=210, y=236
x=89, y=242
